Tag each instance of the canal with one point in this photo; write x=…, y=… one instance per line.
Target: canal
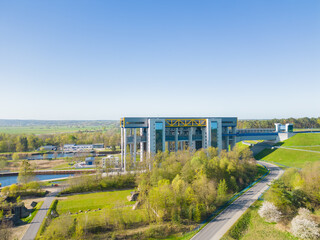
x=8, y=180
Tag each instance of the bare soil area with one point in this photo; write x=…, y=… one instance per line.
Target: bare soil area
x=38, y=164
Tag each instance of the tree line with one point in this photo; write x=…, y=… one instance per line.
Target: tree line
x=31, y=142
x=269, y=123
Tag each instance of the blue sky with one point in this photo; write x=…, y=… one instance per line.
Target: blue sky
x=107, y=59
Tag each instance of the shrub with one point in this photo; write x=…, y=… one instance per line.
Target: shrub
x=269, y=212
x=304, y=227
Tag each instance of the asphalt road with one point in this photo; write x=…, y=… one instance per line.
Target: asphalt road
x=38, y=219
x=220, y=225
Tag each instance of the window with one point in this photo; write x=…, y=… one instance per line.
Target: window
x=214, y=134
x=159, y=132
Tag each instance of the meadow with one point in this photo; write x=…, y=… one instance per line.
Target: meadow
x=83, y=202
x=302, y=139
x=97, y=213
x=289, y=158
x=294, y=158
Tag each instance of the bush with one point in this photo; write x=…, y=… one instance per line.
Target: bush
x=269, y=212
x=304, y=227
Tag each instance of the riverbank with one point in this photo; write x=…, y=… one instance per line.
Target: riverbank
x=51, y=172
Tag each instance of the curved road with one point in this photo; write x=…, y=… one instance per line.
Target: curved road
x=220, y=224
x=34, y=227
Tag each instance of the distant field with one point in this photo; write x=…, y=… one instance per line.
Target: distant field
x=48, y=130
x=294, y=158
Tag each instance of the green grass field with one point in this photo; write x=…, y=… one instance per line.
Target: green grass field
x=289, y=158
x=294, y=158
x=251, y=226
x=114, y=208
x=47, y=130
x=303, y=139
x=93, y=201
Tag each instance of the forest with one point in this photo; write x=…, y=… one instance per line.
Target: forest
x=269, y=123
x=31, y=142
x=190, y=186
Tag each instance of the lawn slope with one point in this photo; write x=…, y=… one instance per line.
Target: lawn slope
x=252, y=227
x=293, y=158
x=303, y=139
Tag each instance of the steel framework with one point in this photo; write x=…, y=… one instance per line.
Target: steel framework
x=186, y=122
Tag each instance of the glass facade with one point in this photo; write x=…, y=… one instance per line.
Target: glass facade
x=159, y=139
x=214, y=134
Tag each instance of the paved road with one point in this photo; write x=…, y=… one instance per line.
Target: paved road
x=220, y=225
x=38, y=219
x=297, y=149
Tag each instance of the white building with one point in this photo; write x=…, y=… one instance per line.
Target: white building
x=111, y=161
x=81, y=147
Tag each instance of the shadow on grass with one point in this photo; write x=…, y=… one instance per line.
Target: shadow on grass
x=264, y=153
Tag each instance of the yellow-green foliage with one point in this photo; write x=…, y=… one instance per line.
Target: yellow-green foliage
x=189, y=186
x=28, y=189
x=297, y=188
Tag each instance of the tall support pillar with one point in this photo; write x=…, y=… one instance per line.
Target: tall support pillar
x=227, y=139
x=204, y=137
x=190, y=139
x=135, y=145
x=124, y=150
x=141, y=145
x=176, y=139
x=233, y=142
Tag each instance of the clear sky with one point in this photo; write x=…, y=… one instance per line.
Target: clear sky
x=73, y=59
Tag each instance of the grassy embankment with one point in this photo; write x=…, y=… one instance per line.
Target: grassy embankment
x=294, y=158
x=251, y=226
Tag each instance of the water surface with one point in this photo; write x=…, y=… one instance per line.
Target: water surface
x=8, y=180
